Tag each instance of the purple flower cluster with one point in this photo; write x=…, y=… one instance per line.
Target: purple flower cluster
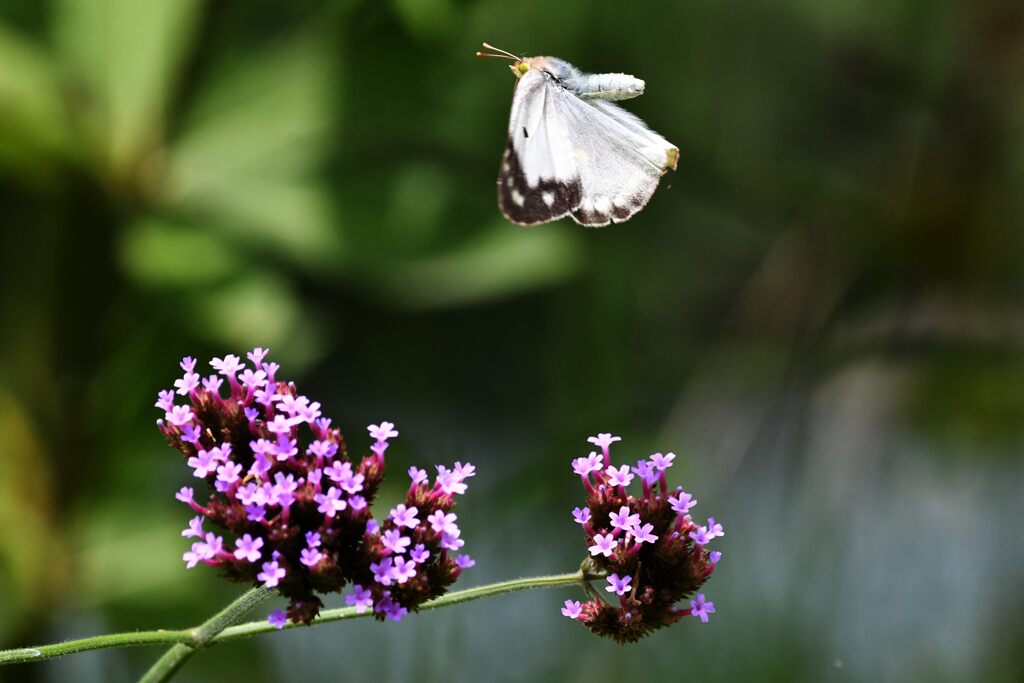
x=415, y=550
x=295, y=507
x=653, y=553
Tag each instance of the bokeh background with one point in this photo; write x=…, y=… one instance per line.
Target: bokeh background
x=821, y=313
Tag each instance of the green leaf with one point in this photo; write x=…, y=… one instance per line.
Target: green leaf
x=155, y=252
x=126, y=54
x=498, y=261
x=32, y=113
x=252, y=146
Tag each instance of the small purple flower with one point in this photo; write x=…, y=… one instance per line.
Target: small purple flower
x=186, y=384
x=404, y=516
x=394, y=611
x=324, y=450
x=394, y=541
x=352, y=483
x=417, y=475
x=361, y=598
x=197, y=553
x=255, y=513
x=662, y=462
x=271, y=370
x=450, y=542
x=620, y=476
x=195, y=528
x=278, y=619
x=230, y=365
x=465, y=561
x=572, y=609
x=357, y=503
x=623, y=520
x=714, y=556
x=313, y=539
x=383, y=431
x=190, y=434
x=330, y=503
x=314, y=477
x=310, y=557
x=403, y=570
x=581, y=515
x=603, y=441
x=584, y=466
x=229, y=472
x=165, y=400
x=212, y=384
x=179, y=416
x=449, y=481
x=682, y=503
x=419, y=554
x=214, y=544
x=188, y=364
x=271, y=575
x=443, y=523
x=185, y=494
x=700, y=536
x=281, y=425
x=465, y=471
x=643, y=534
x=700, y=607
x=714, y=528
x=603, y=545
x=372, y=527
x=646, y=471
x=252, y=380
x=382, y=571
x=284, y=489
x=248, y=548
x=257, y=355
x=204, y=463
x=619, y=586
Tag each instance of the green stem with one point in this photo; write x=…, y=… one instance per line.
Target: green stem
x=257, y=627
x=218, y=628
x=203, y=635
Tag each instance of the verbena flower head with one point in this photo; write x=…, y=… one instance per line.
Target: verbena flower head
x=290, y=507
x=415, y=549
x=651, y=551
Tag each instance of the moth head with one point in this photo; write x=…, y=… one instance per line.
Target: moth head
x=521, y=64
x=519, y=68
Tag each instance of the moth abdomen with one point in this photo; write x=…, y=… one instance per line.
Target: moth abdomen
x=605, y=86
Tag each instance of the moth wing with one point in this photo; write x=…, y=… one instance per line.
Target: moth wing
x=620, y=160
x=539, y=180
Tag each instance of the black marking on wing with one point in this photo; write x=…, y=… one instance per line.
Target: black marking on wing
x=526, y=133
x=526, y=205
x=616, y=213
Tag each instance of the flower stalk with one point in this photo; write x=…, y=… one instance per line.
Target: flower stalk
x=217, y=631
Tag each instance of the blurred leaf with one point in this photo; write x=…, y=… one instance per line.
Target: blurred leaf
x=126, y=54
x=427, y=19
x=128, y=554
x=32, y=114
x=33, y=556
x=158, y=253
x=499, y=261
x=259, y=309
x=419, y=197
x=251, y=146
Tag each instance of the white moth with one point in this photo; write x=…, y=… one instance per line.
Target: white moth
x=570, y=151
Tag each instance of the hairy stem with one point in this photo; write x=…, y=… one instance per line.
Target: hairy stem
x=203, y=635
x=219, y=629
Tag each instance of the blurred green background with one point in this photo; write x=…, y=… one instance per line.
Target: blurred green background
x=821, y=312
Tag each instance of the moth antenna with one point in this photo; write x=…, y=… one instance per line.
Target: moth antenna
x=503, y=54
